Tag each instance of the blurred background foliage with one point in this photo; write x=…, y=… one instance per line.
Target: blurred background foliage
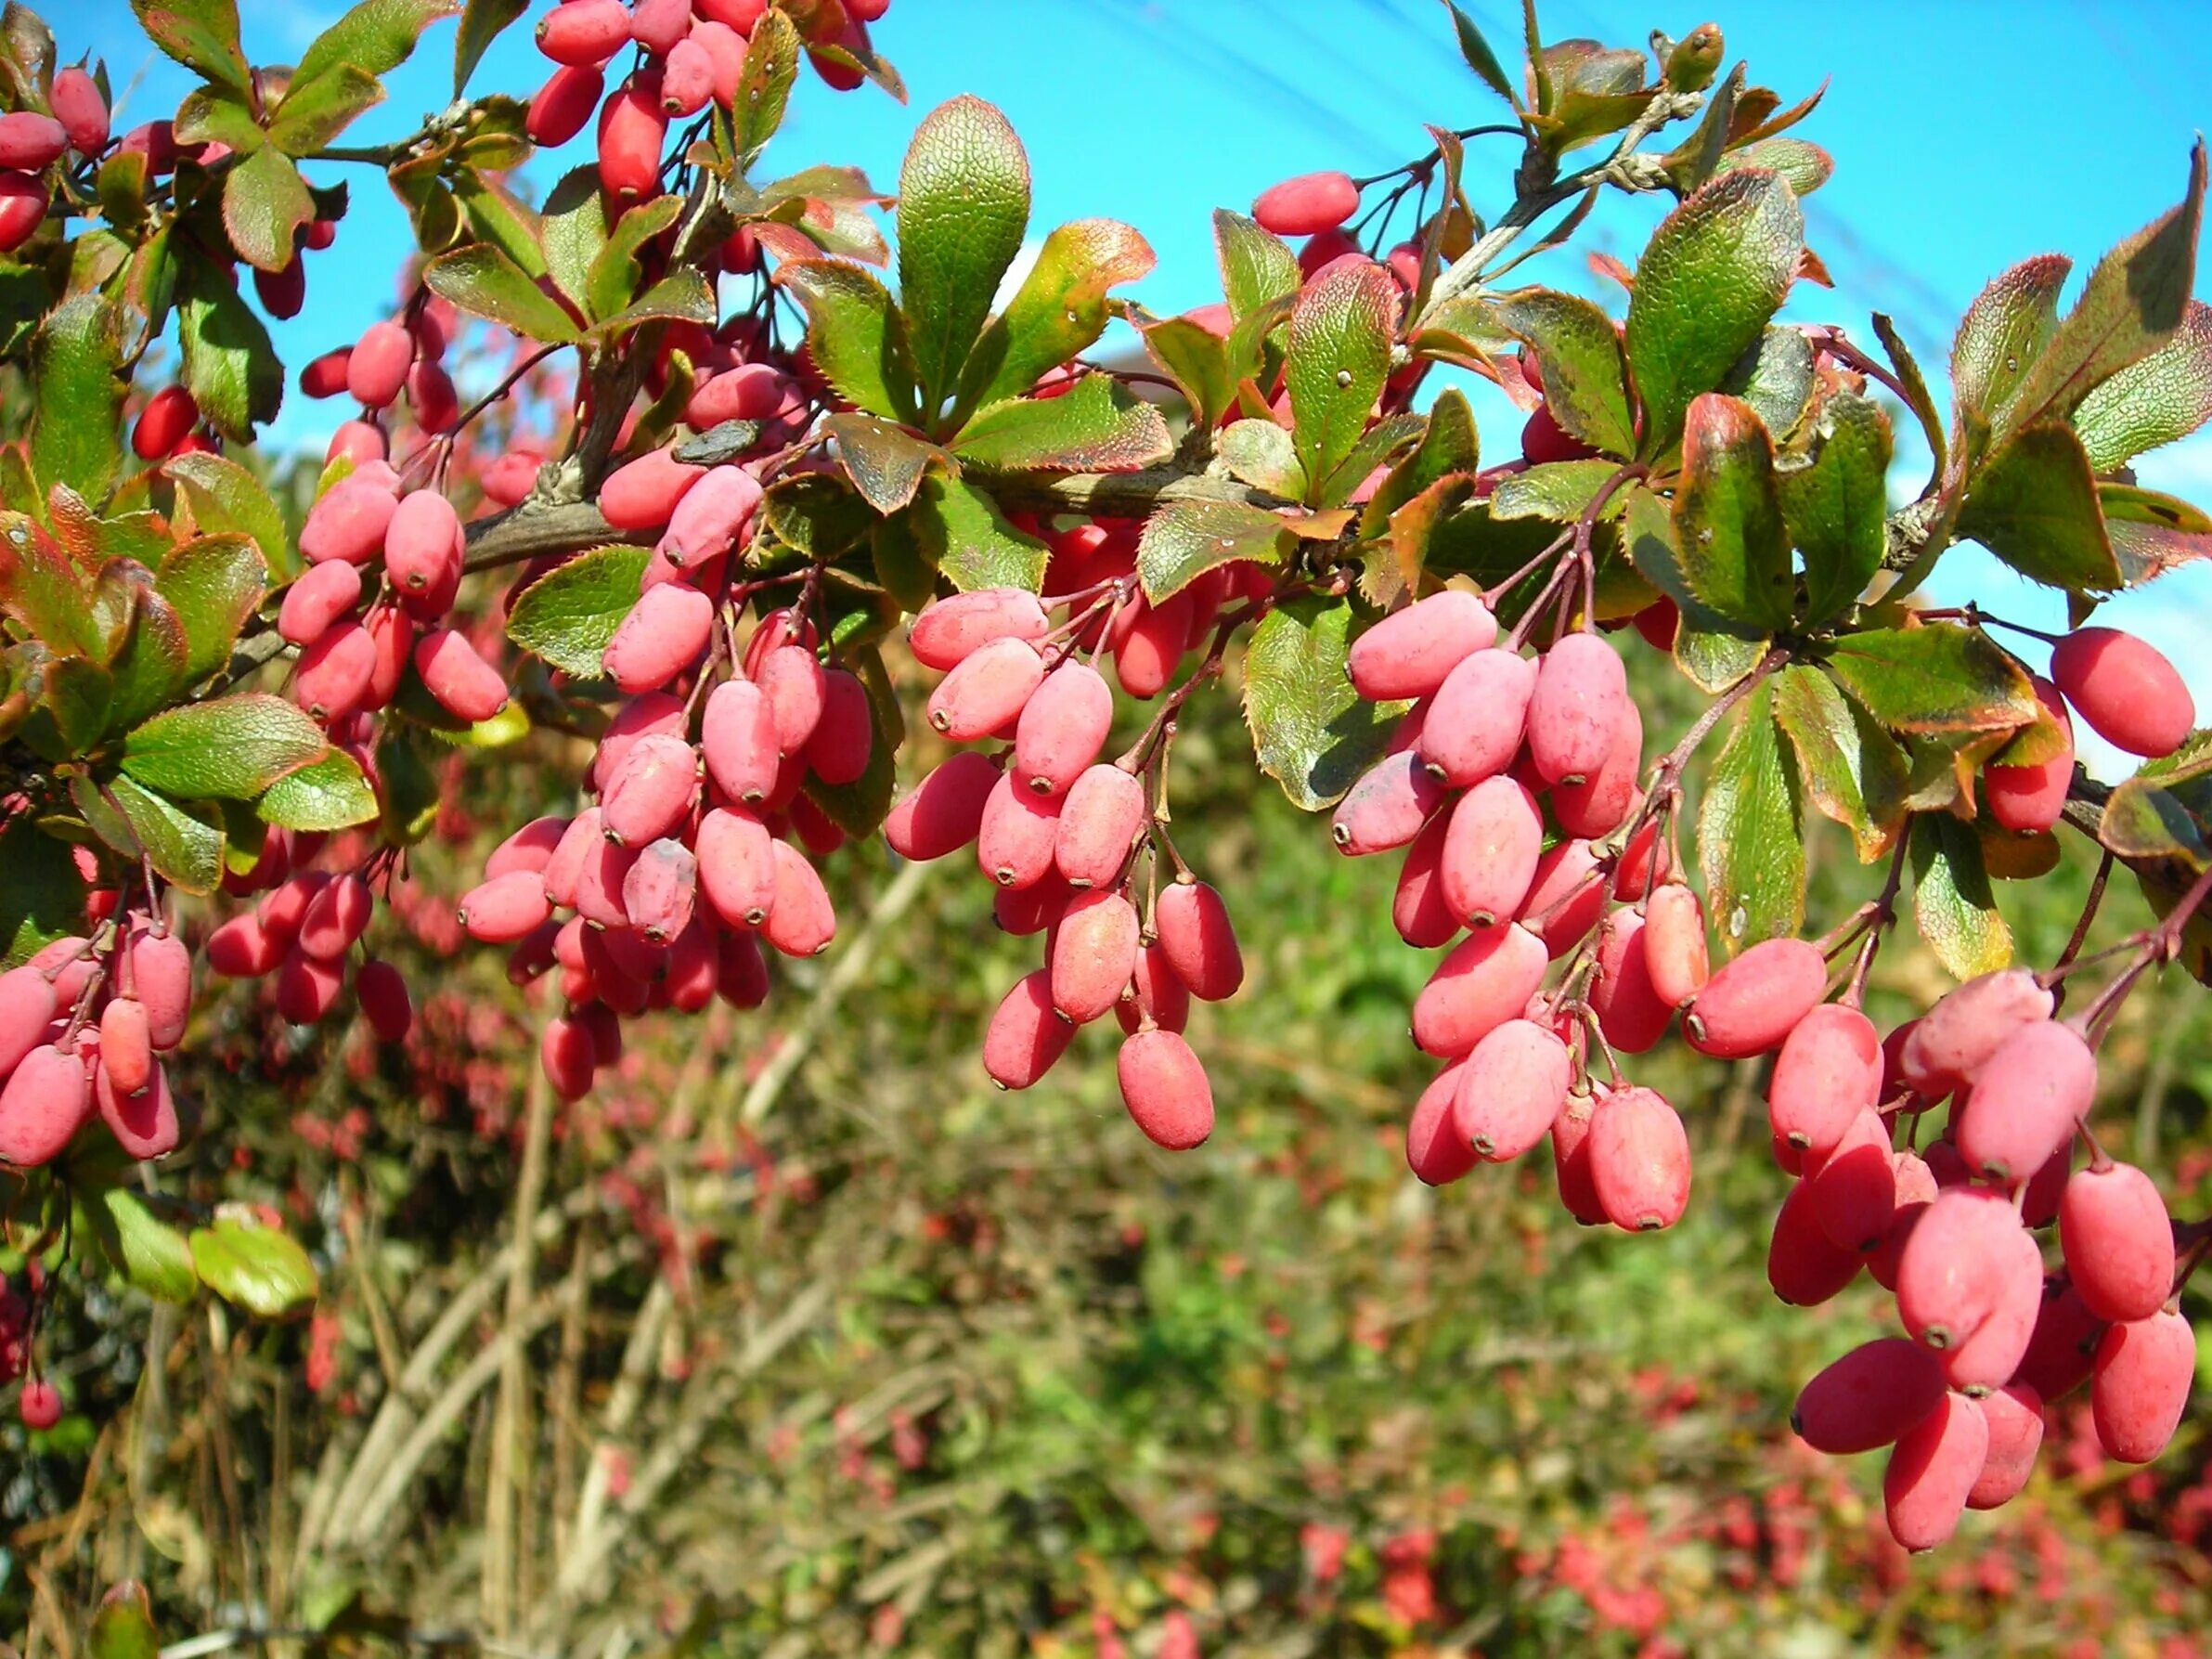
x=819, y=1344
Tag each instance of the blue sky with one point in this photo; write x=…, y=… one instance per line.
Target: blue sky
x=1966, y=135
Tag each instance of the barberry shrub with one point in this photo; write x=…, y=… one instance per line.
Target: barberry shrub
x=221, y=728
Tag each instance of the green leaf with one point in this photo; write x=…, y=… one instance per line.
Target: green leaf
x=2001, y=337
x=1479, y=56
x=1715, y=271
x=2033, y=504
x=964, y=202
x=815, y=516
x=153, y=665
x=1579, y=354
x=1937, y=678
x=482, y=21
x=1449, y=447
x=1836, y=503
x=226, y=496
x=123, y=1629
x=214, y=583
x=1775, y=378
x=1059, y=310
x=616, y=273
x=1257, y=266
x=1805, y=165
x=962, y=534
x=1336, y=361
x=1096, y=426
x=42, y=897
x=41, y=589
x=1711, y=651
x=375, y=37
x=1951, y=901
x=1184, y=539
x=217, y=115
x=231, y=749
x=2157, y=400
x=1313, y=734
x=763, y=90
x=2132, y=304
x=315, y=113
x=2148, y=819
x=573, y=231
x=257, y=1268
x=1198, y=360
x=682, y=295
x=1260, y=453
x=568, y=615
x=885, y=462
x=1558, y=490
x=230, y=368
x=1729, y=535
x=497, y=215
x=185, y=851
x=1851, y=769
x=331, y=793
x=265, y=202
x=202, y=34
x=1387, y=441
x=483, y=280
x=899, y=566
x=151, y=1253
x=79, y=693
x=856, y=334
x=1750, y=848
x=76, y=433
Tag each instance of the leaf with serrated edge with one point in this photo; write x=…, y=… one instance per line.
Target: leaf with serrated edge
x=202, y=34
x=77, y=410
x=568, y=615
x=185, y=851
x=1184, y=539
x=1585, y=375
x=1937, y=678
x=1335, y=360
x=2033, y=504
x=1750, y=847
x=265, y=202
x=1558, y=491
x=231, y=749
x=1951, y=901
x=964, y=202
x=1850, y=769
x=1448, y=446
x=480, y=23
x=856, y=335
x=2004, y=331
x=1836, y=503
x=1096, y=426
x=885, y=462
x=1198, y=360
x=1257, y=266
x=964, y=536
x=1059, y=310
x=215, y=582
x=485, y=282
x=1730, y=538
x=1713, y=272
x=1259, y=453
x=1313, y=734
x=2158, y=400
x=2134, y=300
x=330, y=795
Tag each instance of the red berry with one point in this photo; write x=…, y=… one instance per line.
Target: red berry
x=1417, y=910
x=706, y=516
x=1307, y=205
x=1101, y=817
x=1026, y=1036
x=844, y=738
x=464, y=684
x=1955, y=1267
x=2014, y=1414
x=1486, y=979
x=1514, y=1086
x=1949, y=1044
x=75, y=99
x=1386, y=807
x=1932, y=1470
x=170, y=414
x=321, y=594
x=633, y=127
x=664, y=634
x=1828, y=1074
x=1410, y=652
x=1015, y=841
x=31, y=142
x=1435, y=1149
x=2118, y=1241
x=1575, y=711
x=1804, y=1265
x=657, y=893
x=2140, y=1385
x=651, y=791
x=383, y=993
x=1566, y=898
x=1155, y=993
x=1489, y=852
x=584, y=31
x=1605, y=801
x=565, y=1052
x=504, y=909
x=949, y=630
x=333, y=674
x=2029, y=798
x=737, y=866
x=336, y=917
x=1873, y=1395
x=349, y=522
x=1062, y=728
x=1093, y=953
x=144, y=1124
x=2125, y=689
x=1475, y=724
x=27, y=1008
x=377, y=367
x=23, y=202
x=1166, y=1089
x=1640, y=1159
x=39, y=1405
x=1675, y=950
x=1630, y=1013
x=563, y=105
x=1194, y=929
x=2025, y=1101
x=1571, y=1160
x=942, y=812
x=801, y=921
x=1751, y=1005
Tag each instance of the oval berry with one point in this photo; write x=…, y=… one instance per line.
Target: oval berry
x=1486, y=979
x=1062, y=728
x=1307, y=205
x=1575, y=711
x=1435, y=1150
x=2125, y=689
x=1640, y=1159
x=1931, y=1471
x=2118, y=1241
x=1166, y=1090
x=1828, y=1074
x=944, y=811
x=1194, y=928
x=1101, y=817
x=1474, y=727
x=1872, y=1396
x=948, y=631
x=2140, y=1385
x=1410, y=652
x=1489, y=852
x=1095, y=952
x=1751, y=1005
x=1514, y=1086
x=2027, y=1101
